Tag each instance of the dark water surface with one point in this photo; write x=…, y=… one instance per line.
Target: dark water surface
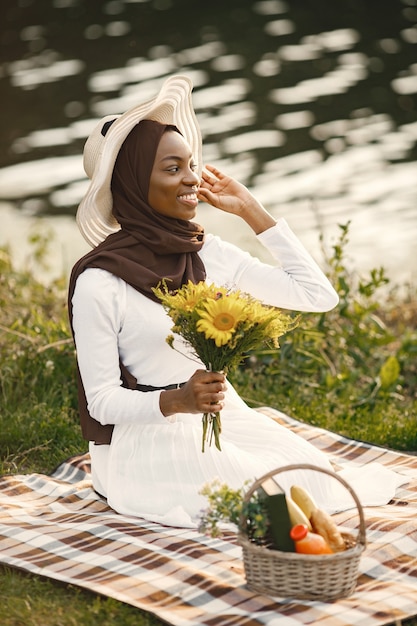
x=310, y=103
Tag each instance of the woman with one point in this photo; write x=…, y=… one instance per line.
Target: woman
x=145, y=400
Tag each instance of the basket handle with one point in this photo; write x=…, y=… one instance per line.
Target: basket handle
x=307, y=466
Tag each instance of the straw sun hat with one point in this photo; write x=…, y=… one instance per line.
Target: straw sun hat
x=172, y=105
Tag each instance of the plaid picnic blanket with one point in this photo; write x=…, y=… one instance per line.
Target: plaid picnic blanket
x=58, y=527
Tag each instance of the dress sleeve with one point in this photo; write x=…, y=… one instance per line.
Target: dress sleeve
x=99, y=302
x=295, y=282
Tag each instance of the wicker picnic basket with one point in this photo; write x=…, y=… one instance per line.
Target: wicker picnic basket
x=309, y=577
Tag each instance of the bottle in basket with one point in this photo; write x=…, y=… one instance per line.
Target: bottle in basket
x=307, y=542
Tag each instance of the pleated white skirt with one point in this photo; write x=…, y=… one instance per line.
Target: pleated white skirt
x=157, y=471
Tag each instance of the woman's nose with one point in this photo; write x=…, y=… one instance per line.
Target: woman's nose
x=192, y=178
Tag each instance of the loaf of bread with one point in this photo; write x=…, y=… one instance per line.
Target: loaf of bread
x=297, y=516
x=324, y=525
x=303, y=499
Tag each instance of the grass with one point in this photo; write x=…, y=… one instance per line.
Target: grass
x=352, y=370
x=27, y=600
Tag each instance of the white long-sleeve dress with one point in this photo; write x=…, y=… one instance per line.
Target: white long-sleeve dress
x=154, y=467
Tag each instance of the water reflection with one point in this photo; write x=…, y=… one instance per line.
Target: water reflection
x=44, y=69
x=311, y=104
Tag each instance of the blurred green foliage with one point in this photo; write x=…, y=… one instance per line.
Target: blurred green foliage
x=352, y=370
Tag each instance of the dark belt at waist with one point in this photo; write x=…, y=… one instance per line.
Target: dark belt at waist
x=166, y=388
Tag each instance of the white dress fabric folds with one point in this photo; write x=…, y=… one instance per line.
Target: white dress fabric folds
x=154, y=467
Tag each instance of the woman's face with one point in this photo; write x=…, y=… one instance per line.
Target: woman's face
x=174, y=182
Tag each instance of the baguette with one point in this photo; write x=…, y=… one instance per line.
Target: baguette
x=304, y=500
x=297, y=516
x=323, y=524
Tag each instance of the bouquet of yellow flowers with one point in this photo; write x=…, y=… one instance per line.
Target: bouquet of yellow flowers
x=221, y=326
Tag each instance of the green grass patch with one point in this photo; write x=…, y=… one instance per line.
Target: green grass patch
x=27, y=600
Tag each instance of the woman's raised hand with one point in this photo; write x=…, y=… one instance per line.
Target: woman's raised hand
x=227, y=194
x=223, y=192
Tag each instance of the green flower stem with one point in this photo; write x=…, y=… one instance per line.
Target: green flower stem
x=212, y=427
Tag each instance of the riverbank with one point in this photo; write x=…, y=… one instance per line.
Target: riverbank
x=65, y=242
x=66, y=245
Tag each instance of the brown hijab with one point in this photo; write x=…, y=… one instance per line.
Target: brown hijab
x=149, y=246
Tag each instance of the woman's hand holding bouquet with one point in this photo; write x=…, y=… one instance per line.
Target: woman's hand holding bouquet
x=221, y=326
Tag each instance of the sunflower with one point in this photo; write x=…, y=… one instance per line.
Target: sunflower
x=220, y=318
x=257, y=312
x=189, y=296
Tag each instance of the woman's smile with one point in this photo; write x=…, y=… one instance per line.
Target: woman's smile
x=189, y=198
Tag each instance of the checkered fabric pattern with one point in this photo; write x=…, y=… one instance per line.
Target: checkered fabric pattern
x=57, y=526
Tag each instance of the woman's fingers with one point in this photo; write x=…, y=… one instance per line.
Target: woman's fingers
x=209, y=171
x=208, y=390
x=203, y=393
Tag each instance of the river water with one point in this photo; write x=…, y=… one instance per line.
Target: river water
x=310, y=103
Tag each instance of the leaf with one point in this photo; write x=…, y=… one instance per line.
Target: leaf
x=389, y=372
